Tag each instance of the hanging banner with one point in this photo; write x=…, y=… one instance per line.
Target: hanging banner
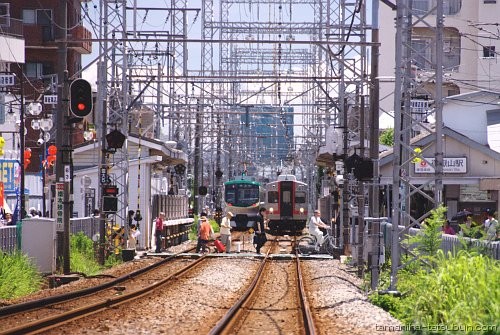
x=8, y=171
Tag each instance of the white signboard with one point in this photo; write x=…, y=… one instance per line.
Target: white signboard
x=472, y=193
x=450, y=165
x=50, y=99
x=7, y=79
x=67, y=173
x=59, y=206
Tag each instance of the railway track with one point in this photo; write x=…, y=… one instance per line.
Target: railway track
x=261, y=310
x=217, y=294
x=42, y=313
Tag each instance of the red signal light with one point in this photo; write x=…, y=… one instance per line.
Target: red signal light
x=80, y=98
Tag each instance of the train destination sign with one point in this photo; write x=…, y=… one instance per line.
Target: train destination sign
x=450, y=165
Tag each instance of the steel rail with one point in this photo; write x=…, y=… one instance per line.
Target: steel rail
x=306, y=310
x=231, y=315
x=44, y=302
x=58, y=320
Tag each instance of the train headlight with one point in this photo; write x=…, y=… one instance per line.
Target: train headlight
x=301, y=210
x=271, y=210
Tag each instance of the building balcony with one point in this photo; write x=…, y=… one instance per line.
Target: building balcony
x=11, y=27
x=43, y=36
x=80, y=40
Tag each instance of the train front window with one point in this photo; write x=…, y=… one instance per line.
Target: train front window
x=230, y=196
x=300, y=197
x=287, y=197
x=272, y=197
x=242, y=195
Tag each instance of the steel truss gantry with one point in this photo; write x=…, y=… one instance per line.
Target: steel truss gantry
x=136, y=67
x=406, y=120
x=324, y=79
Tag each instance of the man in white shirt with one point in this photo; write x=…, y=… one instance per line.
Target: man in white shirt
x=225, y=231
x=315, y=224
x=491, y=226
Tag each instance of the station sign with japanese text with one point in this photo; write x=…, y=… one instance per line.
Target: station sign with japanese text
x=59, y=206
x=450, y=165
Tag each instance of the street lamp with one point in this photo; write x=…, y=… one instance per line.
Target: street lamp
x=44, y=125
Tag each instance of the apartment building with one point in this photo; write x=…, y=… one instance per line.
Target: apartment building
x=471, y=44
x=29, y=44
x=471, y=92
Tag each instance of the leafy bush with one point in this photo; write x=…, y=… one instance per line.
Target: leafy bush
x=18, y=276
x=82, y=256
x=459, y=292
x=428, y=240
x=387, y=137
x=113, y=260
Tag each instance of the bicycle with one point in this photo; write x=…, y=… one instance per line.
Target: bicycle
x=309, y=245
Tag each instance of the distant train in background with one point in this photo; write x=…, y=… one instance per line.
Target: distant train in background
x=286, y=203
x=243, y=197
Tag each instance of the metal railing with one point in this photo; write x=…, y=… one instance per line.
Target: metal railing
x=176, y=231
x=8, y=238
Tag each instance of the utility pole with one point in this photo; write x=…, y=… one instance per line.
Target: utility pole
x=197, y=158
x=63, y=161
x=374, y=228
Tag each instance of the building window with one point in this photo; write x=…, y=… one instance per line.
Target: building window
x=489, y=51
x=4, y=14
x=29, y=16
x=34, y=70
x=37, y=16
x=421, y=5
x=38, y=70
x=422, y=52
x=490, y=1
x=450, y=7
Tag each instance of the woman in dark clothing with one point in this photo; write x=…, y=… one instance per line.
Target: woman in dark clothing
x=260, y=234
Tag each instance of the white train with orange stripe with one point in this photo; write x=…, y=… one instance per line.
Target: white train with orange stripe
x=286, y=202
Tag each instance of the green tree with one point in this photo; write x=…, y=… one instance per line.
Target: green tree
x=428, y=240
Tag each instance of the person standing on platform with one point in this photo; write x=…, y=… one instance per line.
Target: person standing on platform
x=225, y=231
x=159, y=231
x=260, y=230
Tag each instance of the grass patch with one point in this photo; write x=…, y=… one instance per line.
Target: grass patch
x=18, y=276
